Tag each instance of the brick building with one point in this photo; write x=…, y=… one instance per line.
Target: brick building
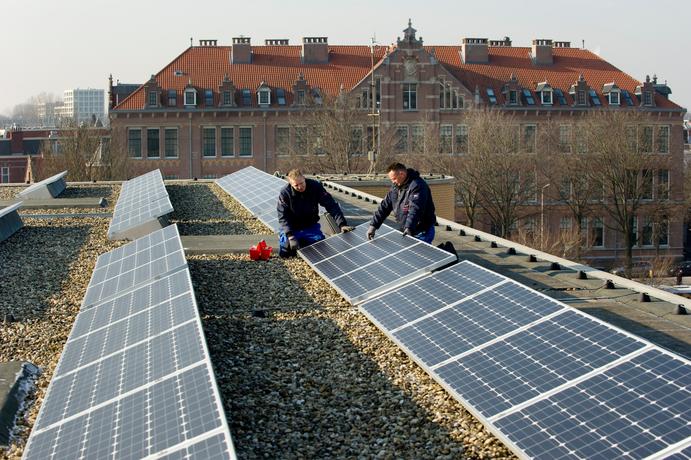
x=215, y=109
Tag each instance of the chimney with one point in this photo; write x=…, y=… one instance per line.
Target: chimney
x=242, y=51
x=208, y=42
x=315, y=50
x=506, y=42
x=542, y=51
x=474, y=51
x=276, y=42
x=562, y=44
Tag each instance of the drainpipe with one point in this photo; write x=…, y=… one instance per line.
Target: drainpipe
x=190, y=142
x=265, y=159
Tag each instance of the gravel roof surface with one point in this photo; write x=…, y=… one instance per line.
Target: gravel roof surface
x=301, y=372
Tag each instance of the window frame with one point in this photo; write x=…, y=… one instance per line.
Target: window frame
x=225, y=153
x=153, y=99
x=264, y=93
x=402, y=139
x=549, y=100
x=614, y=94
x=409, y=93
x=446, y=139
x=193, y=93
x=243, y=141
x=4, y=174
x=461, y=140
x=132, y=153
x=208, y=97
x=208, y=142
x=153, y=143
x=282, y=147
x=168, y=142
x=172, y=98
x=659, y=139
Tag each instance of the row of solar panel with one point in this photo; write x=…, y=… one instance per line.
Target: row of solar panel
x=50, y=187
x=257, y=191
x=135, y=378
x=10, y=220
x=143, y=201
x=547, y=379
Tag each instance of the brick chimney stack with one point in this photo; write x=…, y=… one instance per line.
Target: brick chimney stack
x=474, y=51
x=315, y=50
x=241, y=52
x=542, y=52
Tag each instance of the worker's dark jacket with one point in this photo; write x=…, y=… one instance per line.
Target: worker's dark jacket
x=411, y=204
x=299, y=210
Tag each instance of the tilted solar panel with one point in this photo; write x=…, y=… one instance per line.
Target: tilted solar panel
x=549, y=380
x=257, y=191
x=134, y=379
x=10, y=220
x=47, y=188
x=360, y=269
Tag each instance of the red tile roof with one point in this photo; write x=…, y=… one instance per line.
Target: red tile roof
x=280, y=66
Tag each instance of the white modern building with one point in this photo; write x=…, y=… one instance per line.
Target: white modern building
x=83, y=105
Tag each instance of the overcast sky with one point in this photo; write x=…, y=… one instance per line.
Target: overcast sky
x=50, y=46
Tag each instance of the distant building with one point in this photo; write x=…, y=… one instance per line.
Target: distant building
x=83, y=105
x=118, y=92
x=46, y=113
x=16, y=146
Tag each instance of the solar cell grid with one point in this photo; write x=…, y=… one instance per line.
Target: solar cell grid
x=632, y=410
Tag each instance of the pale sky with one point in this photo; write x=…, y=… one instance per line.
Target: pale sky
x=52, y=45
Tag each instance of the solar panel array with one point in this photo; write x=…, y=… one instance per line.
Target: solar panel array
x=257, y=191
x=134, y=379
x=47, y=188
x=142, y=202
x=359, y=269
x=549, y=380
x=10, y=221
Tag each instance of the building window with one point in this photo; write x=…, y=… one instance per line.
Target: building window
x=227, y=97
x=245, y=142
x=401, y=139
x=598, y=233
x=409, y=96
x=564, y=226
x=647, y=184
x=647, y=139
x=546, y=96
x=529, y=138
x=445, y=136
x=565, y=138
x=513, y=97
x=172, y=98
x=614, y=98
x=264, y=97
x=580, y=97
x=134, y=142
x=461, y=139
x=581, y=144
x=281, y=96
x=663, y=184
x=300, y=140
x=153, y=142
x=208, y=98
x=300, y=100
x=634, y=231
x=282, y=140
x=356, y=137
x=647, y=98
x=209, y=142
x=153, y=99
x=663, y=139
x=647, y=232
x=227, y=142
x=663, y=231
x=4, y=175
x=418, y=139
x=631, y=141
x=171, y=142
x=190, y=97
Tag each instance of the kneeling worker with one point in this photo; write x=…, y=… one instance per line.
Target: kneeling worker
x=410, y=200
x=298, y=213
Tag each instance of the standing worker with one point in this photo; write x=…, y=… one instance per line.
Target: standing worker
x=298, y=213
x=410, y=200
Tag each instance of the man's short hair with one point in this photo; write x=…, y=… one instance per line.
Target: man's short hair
x=295, y=173
x=395, y=166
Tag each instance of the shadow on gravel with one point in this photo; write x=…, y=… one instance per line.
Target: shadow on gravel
x=196, y=202
x=104, y=191
x=34, y=263
x=228, y=227
x=292, y=382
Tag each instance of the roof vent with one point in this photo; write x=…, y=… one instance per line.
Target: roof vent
x=276, y=42
x=179, y=73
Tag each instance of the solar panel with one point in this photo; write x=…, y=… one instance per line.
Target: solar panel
x=142, y=203
x=47, y=188
x=10, y=221
x=134, y=379
x=529, y=367
x=359, y=269
x=135, y=263
x=257, y=191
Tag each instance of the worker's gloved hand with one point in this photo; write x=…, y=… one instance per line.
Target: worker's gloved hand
x=370, y=232
x=407, y=232
x=293, y=243
x=346, y=229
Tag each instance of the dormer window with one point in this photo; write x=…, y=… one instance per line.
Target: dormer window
x=316, y=96
x=153, y=98
x=264, y=96
x=513, y=97
x=246, y=97
x=545, y=91
x=300, y=100
x=172, y=98
x=614, y=98
x=647, y=98
x=281, y=96
x=580, y=97
x=190, y=97
x=208, y=97
x=227, y=97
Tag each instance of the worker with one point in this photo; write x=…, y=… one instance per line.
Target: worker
x=298, y=213
x=410, y=200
